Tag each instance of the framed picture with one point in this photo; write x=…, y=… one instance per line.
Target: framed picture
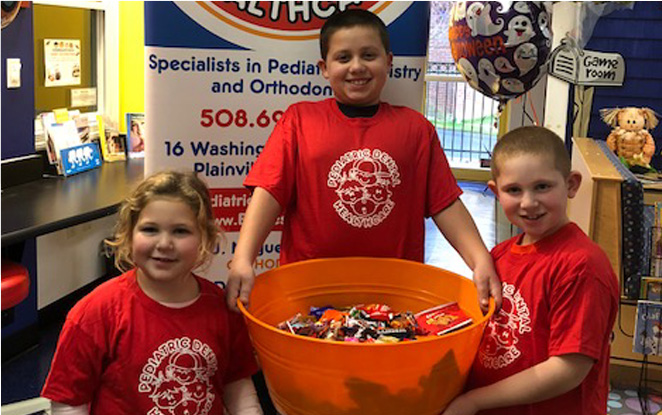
x=135, y=134
x=113, y=147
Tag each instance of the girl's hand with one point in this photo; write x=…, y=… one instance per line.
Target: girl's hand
x=461, y=405
x=240, y=283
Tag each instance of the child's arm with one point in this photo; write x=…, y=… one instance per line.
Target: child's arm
x=551, y=378
x=260, y=217
x=64, y=409
x=241, y=398
x=459, y=229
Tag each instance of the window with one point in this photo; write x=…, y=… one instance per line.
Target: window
x=87, y=24
x=72, y=25
x=466, y=120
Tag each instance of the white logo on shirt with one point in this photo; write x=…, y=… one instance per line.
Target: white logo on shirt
x=177, y=378
x=499, y=345
x=363, y=180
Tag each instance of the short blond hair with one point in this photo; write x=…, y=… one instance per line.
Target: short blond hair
x=531, y=140
x=181, y=186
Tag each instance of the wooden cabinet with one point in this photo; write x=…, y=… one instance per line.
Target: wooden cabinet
x=597, y=210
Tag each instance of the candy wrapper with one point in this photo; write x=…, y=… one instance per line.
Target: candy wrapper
x=375, y=323
x=371, y=323
x=442, y=319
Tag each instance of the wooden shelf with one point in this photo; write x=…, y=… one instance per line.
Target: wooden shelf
x=597, y=210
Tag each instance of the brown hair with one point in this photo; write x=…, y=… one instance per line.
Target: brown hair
x=351, y=18
x=532, y=140
x=182, y=186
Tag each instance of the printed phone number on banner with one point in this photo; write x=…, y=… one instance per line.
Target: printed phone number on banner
x=240, y=118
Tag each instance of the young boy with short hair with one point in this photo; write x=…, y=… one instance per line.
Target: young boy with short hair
x=547, y=350
x=354, y=175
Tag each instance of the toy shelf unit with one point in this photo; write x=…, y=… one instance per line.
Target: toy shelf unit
x=610, y=207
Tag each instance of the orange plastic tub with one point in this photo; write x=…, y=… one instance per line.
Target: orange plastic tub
x=307, y=376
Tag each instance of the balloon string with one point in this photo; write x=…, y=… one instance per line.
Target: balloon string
x=533, y=108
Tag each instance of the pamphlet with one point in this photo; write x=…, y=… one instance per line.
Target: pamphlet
x=112, y=145
x=135, y=134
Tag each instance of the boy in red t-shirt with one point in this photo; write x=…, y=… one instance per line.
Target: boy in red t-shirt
x=354, y=175
x=547, y=350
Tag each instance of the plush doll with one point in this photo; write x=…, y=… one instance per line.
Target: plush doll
x=630, y=138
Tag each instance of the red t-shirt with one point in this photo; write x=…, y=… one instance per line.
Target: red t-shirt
x=125, y=353
x=560, y=296
x=354, y=186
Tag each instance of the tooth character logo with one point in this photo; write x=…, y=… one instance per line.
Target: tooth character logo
x=499, y=346
x=363, y=180
x=178, y=378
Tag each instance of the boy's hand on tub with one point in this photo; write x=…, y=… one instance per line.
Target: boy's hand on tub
x=240, y=283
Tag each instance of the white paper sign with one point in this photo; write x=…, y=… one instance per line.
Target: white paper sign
x=61, y=62
x=586, y=67
x=83, y=97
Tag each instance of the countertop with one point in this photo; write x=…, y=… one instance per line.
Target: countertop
x=53, y=203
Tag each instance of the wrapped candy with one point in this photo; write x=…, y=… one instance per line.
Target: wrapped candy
x=374, y=323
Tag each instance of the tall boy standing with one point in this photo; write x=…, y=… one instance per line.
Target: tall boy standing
x=354, y=175
x=547, y=350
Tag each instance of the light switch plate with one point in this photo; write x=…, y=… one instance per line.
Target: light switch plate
x=13, y=73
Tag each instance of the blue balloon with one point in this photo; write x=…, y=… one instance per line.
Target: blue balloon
x=500, y=51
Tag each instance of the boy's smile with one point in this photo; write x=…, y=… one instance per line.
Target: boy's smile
x=534, y=195
x=356, y=65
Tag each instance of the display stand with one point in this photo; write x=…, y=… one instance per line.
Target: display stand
x=80, y=158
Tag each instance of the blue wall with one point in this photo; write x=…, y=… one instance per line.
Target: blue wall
x=637, y=35
x=18, y=140
x=18, y=104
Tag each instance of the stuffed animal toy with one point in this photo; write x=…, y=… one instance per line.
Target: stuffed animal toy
x=630, y=138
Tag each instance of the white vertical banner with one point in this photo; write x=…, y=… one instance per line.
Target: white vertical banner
x=220, y=74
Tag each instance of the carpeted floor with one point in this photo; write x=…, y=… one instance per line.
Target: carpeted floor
x=627, y=402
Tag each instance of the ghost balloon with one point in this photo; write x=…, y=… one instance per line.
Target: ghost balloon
x=500, y=50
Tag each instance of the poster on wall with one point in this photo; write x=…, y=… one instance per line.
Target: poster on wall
x=61, y=62
x=220, y=74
